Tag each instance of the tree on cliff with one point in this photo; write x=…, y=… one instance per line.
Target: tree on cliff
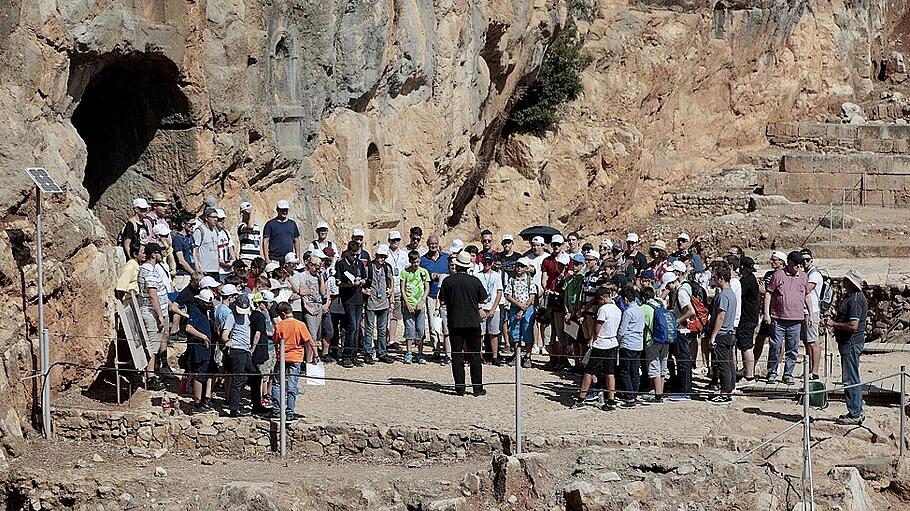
x=557, y=83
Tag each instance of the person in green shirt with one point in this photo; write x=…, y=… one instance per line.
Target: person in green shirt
x=656, y=354
x=415, y=286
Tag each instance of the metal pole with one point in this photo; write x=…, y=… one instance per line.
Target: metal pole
x=117, y=367
x=903, y=421
x=282, y=423
x=518, y=347
x=826, y=347
x=808, y=490
x=46, y=425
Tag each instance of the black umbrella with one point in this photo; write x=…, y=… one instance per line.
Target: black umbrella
x=544, y=231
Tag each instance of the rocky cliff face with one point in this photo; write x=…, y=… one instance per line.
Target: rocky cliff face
x=377, y=114
x=363, y=113
x=676, y=89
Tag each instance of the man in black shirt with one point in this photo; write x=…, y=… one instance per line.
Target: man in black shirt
x=748, y=319
x=351, y=275
x=850, y=333
x=462, y=295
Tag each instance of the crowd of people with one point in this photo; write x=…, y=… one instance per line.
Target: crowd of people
x=630, y=318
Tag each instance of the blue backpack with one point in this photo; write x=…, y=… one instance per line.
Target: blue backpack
x=663, y=330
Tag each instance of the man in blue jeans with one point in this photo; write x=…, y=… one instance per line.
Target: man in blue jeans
x=351, y=275
x=379, y=286
x=850, y=331
x=786, y=302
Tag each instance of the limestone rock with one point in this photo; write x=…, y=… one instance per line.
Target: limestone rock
x=852, y=113
x=248, y=495
x=857, y=497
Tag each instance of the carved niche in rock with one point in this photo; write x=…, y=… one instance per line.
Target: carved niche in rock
x=287, y=112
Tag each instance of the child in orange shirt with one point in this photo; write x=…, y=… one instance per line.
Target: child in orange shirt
x=296, y=337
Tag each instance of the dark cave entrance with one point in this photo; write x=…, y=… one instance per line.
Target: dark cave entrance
x=126, y=100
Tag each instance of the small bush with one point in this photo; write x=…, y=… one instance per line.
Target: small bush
x=558, y=82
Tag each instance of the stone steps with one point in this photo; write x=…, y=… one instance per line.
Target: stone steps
x=826, y=187
x=855, y=163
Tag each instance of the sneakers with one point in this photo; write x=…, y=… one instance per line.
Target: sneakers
x=203, y=408
x=720, y=400
x=329, y=359
x=347, y=363
x=481, y=392
x=772, y=378
x=385, y=359
x=848, y=420
x=421, y=359
x=265, y=403
x=408, y=357
x=651, y=399
x=446, y=360
x=679, y=397
x=261, y=410
x=578, y=403
x=535, y=351
x=788, y=380
x=609, y=405
x=543, y=351
x=154, y=384
x=357, y=362
x=592, y=395
x=167, y=373
x=368, y=359
x=813, y=377
x=526, y=363
x=496, y=362
x=627, y=404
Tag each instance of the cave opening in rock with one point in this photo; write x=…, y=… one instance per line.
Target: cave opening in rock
x=374, y=174
x=126, y=99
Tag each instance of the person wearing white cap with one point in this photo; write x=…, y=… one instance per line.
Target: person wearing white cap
x=249, y=234
x=552, y=269
x=456, y=247
x=162, y=235
x=632, y=257
x=135, y=232
x=462, y=294
x=507, y=258
x=280, y=234
x=205, y=244
x=308, y=281
x=227, y=251
x=238, y=359
x=379, y=291
x=199, y=347
x=490, y=319
x=398, y=260
x=351, y=275
x=536, y=255
x=153, y=308
x=322, y=238
x=777, y=260
x=849, y=324
x=358, y=235
x=521, y=291
x=684, y=251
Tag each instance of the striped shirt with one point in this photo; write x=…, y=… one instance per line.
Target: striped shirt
x=249, y=242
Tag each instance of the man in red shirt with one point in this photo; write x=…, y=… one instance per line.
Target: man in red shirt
x=786, y=300
x=552, y=269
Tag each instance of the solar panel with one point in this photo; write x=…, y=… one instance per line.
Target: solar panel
x=43, y=180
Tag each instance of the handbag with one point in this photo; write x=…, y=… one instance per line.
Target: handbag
x=315, y=373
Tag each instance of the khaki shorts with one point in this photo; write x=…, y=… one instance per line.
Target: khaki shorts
x=396, y=307
x=153, y=334
x=267, y=367
x=809, y=332
x=180, y=282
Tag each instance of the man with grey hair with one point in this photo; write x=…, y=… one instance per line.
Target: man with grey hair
x=153, y=306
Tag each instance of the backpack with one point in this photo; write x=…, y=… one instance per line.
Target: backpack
x=826, y=293
x=697, y=322
x=663, y=327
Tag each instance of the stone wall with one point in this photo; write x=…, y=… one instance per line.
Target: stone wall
x=250, y=435
x=701, y=205
x=844, y=138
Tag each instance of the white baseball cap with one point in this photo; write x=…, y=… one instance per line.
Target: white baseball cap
x=563, y=258
x=557, y=238
x=592, y=253
x=291, y=257
x=456, y=247
x=161, y=230
x=322, y=225
x=683, y=236
x=357, y=232
x=507, y=237
x=229, y=290
x=208, y=282
x=206, y=295
x=271, y=266
x=524, y=261
x=140, y=203
x=394, y=235
x=777, y=254
x=245, y=206
x=668, y=277
x=607, y=242
x=220, y=213
x=382, y=249
x=679, y=266
x=633, y=237
x=537, y=239
x=283, y=204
